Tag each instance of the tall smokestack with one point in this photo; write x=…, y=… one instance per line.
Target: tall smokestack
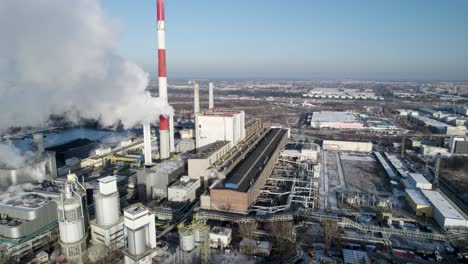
x=147, y=144
x=211, y=98
x=196, y=99
x=164, y=130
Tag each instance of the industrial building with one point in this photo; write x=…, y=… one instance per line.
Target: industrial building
x=220, y=237
x=153, y=181
x=458, y=146
x=419, y=181
x=418, y=202
x=107, y=228
x=338, y=120
x=140, y=235
x=437, y=126
x=445, y=214
x=27, y=219
x=80, y=148
x=428, y=150
x=183, y=190
x=242, y=185
x=384, y=164
x=306, y=152
x=219, y=125
x=347, y=146
x=203, y=159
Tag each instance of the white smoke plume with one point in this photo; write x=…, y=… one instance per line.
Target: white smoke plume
x=59, y=57
x=29, y=167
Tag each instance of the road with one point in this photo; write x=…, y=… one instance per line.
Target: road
x=324, y=182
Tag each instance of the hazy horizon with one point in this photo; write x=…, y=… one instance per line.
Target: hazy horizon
x=374, y=40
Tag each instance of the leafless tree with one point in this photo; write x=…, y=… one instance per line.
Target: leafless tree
x=247, y=229
x=283, y=235
x=330, y=231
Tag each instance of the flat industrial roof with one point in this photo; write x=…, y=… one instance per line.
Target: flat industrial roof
x=331, y=116
x=245, y=173
x=442, y=205
x=206, y=151
x=419, y=178
x=417, y=197
x=219, y=112
x=25, y=200
x=107, y=179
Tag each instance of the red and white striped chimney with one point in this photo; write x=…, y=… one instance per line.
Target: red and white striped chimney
x=164, y=131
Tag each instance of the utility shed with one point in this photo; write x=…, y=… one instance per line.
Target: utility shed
x=418, y=202
x=419, y=181
x=445, y=214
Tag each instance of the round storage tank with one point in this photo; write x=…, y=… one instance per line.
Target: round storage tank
x=197, y=236
x=71, y=232
x=136, y=241
x=107, y=208
x=71, y=222
x=187, y=242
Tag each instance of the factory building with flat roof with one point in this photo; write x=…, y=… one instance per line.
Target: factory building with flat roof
x=242, y=185
x=27, y=219
x=445, y=214
x=201, y=161
x=339, y=120
x=219, y=124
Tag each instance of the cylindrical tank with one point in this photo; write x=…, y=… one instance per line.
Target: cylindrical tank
x=71, y=221
x=107, y=208
x=187, y=241
x=196, y=235
x=136, y=241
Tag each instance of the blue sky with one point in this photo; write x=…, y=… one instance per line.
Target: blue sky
x=300, y=39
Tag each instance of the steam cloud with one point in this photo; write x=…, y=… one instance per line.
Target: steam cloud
x=59, y=57
x=11, y=157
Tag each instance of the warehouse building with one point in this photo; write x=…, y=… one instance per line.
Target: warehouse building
x=219, y=125
x=347, y=146
x=437, y=126
x=418, y=202
x=183, y=190
x=445, y=214
x=242, y=185
x=338, y=120
x=419, y=181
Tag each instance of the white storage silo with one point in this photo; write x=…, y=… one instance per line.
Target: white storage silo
x=187, y=240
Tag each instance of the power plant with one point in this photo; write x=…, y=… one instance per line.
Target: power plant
x=278, y=172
